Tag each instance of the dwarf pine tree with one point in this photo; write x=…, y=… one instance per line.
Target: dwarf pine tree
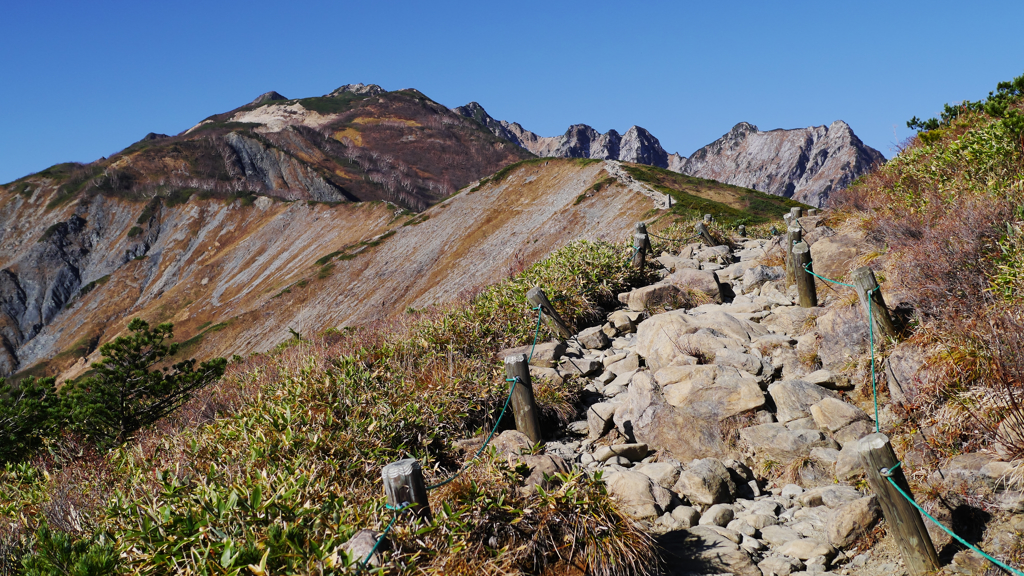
x=128, y=390
x=29, y=412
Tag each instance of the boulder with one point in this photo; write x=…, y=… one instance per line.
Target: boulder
x=778, y=535
x=599, y=419
x=758, y=275
x=581, y=366
x=835, y=256
x=549, y=375
x=686, y=515
x=853, y=432
x=776, y=442
x=720, y=391
x=909, y=372
x=674, y=263
x=511, y=443
x=712, y=253
x=634, y=495
x=631, y=452
x=780, y=565
x=545, y=355
x=660, y=295
x=717, y=515
x=593, y=338
x=806, y=548
x=622, y=321
x=832, y=496
x=738, y=360
x=644, y=415
x=832, y=414
x=794, y=398
x=706, y=482
x=542, y=467
x=848, y=463
x=730, y=326
x=663, y=474
x=362, y=543
x=629, y=363
x=851, y=520
x=844, y=335
x=700, y=280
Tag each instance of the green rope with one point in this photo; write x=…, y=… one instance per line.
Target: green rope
x=514, y=381
x=946, y=530
x=871, y=337
x=635, y=250
x=808, y=270
x=398, y=511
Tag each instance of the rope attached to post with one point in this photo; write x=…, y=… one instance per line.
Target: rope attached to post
x=514, y=381
x=871, y=336
x=887, y=474
x=398, y=512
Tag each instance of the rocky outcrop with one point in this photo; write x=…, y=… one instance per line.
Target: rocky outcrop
x=579, y=141
x=806, y=164
x=266, y=97
x=359, y=88
x=281, y=172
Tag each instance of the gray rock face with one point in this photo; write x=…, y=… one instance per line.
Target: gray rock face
x=640, y=146
x=277, y=170
x=706, y=482
x=806, y=164
x=371, y=89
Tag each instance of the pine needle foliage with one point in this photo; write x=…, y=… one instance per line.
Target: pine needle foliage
x=129, y=391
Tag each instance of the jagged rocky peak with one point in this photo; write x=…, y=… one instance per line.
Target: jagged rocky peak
x=806, y=164
x=359, y=88
x=579, y=141
x=640, y=146
x=267, y=97
x=676, y=162
x=154, y=136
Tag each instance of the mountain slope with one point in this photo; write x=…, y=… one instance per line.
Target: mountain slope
x=235, y=275
x=805, y=164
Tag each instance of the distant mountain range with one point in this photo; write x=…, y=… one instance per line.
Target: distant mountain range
x=806, y=164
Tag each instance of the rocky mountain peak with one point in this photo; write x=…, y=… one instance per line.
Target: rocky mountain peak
x=267, y=97
x=359, y=88
x=640, y=146
x=805, y=164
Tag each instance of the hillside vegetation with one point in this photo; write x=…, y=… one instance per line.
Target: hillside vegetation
x=277, y=465
x=946, y=215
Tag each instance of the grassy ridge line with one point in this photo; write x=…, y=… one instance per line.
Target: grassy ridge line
x=290, y=468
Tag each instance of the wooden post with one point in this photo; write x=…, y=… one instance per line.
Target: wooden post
x=704, y=234
x=904, y=521
x=805, y=287
x=812, y=211
x=793, y=235
x=641, y=246
x=742, y=230
x=794, y=213
x=864, y=281
x=537, y=297
x=403, y=483
x=707, y=218
x=523, y=404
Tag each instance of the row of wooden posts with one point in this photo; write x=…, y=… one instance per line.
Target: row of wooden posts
x=404, y=483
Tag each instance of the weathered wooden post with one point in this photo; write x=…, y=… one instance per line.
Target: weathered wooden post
x=807, y=291
x=523, y=405
x=865, y=283
x=403, y=484
x=793, y=235
x=812, y=211
x=794, y=213
x=742, y=230
x=707, y=218
x=641, y=246
x=702, y=230
x=537, y=297
x=904, y=521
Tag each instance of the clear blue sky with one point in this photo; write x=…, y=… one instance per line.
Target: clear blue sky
x=80, y=80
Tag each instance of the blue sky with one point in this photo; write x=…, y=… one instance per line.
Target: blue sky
x=83, y=80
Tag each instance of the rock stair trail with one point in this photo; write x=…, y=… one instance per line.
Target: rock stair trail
x=684, y=404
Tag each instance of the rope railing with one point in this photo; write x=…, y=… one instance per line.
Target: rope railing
x=887, y=474
x=403, y=507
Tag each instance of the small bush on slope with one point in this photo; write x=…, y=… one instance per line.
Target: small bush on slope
x=292, y=468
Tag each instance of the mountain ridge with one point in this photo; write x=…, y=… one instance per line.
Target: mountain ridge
x=774, y=161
